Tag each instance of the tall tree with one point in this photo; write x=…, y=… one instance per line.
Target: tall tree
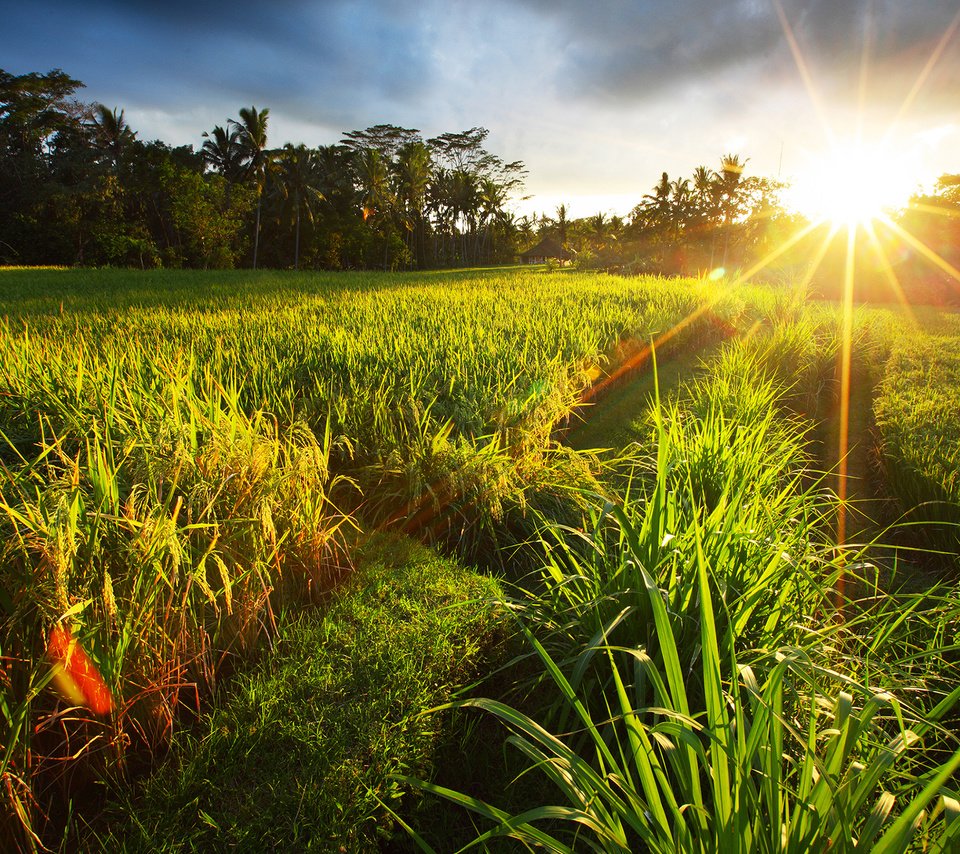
x=562, y=223
x=731, y=170
x=110, y=131
x=414, y=170
x=223, y=152
x=387, y=140
x=34, y=108
x=252, y=138
x=598, y=230
x=298, y=178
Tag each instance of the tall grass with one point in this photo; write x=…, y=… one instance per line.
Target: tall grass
x=180, y=452
x=164, y=539
x=700, y=690
x=918, y=417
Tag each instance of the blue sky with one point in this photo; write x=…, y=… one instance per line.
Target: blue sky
x=597, y=98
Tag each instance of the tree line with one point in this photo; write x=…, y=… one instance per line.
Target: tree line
x=77, y=186
x=724, y=220
x=716, y=218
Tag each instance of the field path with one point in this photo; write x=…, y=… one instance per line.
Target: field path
x=866, y=507
x=618, y=417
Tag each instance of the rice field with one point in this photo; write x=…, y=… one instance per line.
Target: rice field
x=188, y=458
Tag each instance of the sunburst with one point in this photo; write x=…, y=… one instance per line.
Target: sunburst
x=852, y=185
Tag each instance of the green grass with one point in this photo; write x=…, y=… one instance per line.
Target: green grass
x=184, y=455
x=705, y=685
x=182, y=450
x=298, y=754
x=918, y=415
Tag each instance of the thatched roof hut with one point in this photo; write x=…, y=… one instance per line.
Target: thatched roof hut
x=545, y=249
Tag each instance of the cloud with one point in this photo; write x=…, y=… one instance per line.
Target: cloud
x=604, y=94
x=626, y=52
x=321, y=61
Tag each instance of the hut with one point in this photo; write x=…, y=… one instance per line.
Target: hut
x=546, y=249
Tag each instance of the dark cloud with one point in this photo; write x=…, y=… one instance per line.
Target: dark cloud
x=294, y=53
x=627, y=51
x=667, y=82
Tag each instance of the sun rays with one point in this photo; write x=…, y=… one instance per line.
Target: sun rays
x=848, y=188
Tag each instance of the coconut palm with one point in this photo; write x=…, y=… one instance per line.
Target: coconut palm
x=252, y=138
x=655, y=210
x=562, y=223
x=298, y=177
x=525, y=230
x=413, y=171
x=681, y=204
x=111, y=132
x=598, y=230
x=464, y=201
x=375, y=184
x=491, y=197
x=731, y=170
x=223, y=152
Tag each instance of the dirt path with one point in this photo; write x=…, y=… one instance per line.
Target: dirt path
x=619, y=417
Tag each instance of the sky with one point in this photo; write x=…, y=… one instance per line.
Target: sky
x=597, y=98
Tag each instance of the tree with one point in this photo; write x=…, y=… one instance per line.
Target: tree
x=562, y=223
x=252, y=139
x=208, y=215
x=414, y=170
x=598, y=231
x=731, y=170
x=297, y=180
x=387, y=140
x=223, y=152
x=111, y=133
x=34, y=108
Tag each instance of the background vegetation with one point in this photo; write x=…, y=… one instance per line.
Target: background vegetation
x=77, y=187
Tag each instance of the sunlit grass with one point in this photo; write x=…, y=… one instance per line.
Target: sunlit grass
x=185, y=455
x=700, y=691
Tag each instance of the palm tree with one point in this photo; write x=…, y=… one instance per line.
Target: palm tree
x=223, y=152
x=598, y=229
x=377, y=197
x=731, y=169
x=252, y=138
x=562, y=224
x=680, y=206
x=374, y=183
x=111, y=131
x=464, y=203
x=297, y=179
x=525, y=231
x=414, y=169
x=440, y=203
x=491, y=197
x=655, y=209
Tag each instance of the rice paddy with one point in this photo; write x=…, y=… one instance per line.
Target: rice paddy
x=192, y=462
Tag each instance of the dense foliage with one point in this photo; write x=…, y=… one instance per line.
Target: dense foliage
x=78, y=188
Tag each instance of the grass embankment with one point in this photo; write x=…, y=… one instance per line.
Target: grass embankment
x=299, y=754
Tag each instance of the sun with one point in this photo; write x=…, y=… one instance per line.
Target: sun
x=853, y=183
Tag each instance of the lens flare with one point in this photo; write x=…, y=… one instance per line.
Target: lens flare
x=75, y=676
